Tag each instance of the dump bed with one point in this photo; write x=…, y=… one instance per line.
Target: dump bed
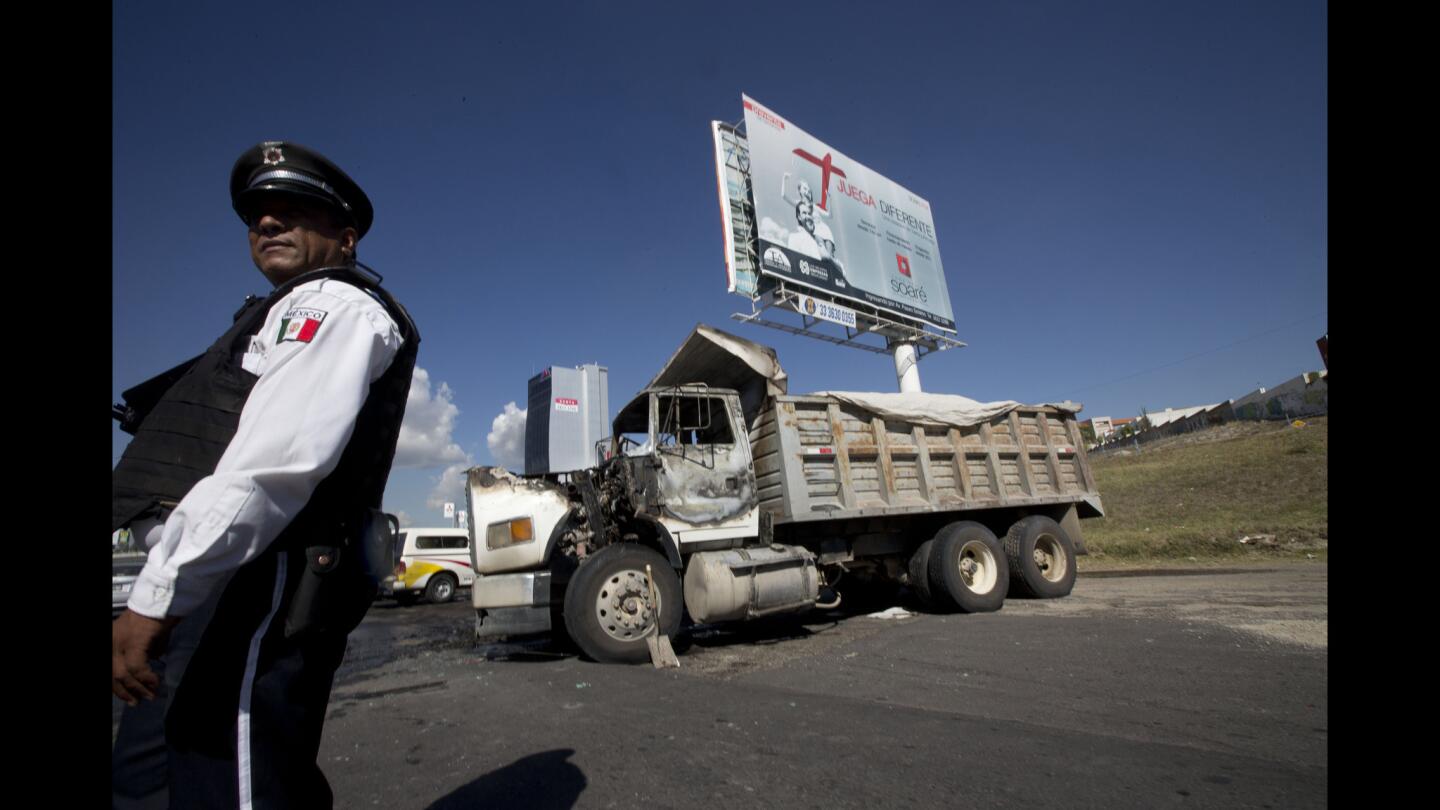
x=824, y=458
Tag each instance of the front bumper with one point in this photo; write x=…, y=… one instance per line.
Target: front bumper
x=511, y=604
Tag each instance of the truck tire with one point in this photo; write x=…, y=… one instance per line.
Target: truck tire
x=1042, y=558
x=440, y=589
x=920, y=574
x=608, y=611
x=968, y=571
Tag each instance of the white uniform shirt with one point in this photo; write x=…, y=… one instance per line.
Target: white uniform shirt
x=320, y=349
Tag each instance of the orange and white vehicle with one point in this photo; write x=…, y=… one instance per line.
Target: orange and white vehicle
x=432, y=563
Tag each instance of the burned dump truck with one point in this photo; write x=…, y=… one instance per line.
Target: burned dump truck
x=722, y=496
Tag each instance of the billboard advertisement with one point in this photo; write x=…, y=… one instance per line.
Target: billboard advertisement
x=829, y=223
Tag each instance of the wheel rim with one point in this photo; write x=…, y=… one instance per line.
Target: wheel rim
x=1050, y=558
x=443, y=590
x=623, y=606
x=978, y=569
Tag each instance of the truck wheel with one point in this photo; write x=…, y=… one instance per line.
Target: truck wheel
x=920, y=574
x=440, y=588
x=608, y=609
x=968, y=571
x=1042, y=558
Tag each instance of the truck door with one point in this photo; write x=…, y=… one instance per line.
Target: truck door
x=705, y=478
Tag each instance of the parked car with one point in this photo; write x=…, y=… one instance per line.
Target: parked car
x=432, y=563
x=124, y=570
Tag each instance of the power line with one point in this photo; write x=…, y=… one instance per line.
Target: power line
x=1201, y=354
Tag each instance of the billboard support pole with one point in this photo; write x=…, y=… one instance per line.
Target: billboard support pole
x=907, y=366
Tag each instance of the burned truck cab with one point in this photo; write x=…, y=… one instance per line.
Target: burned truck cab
x=692, y=472
x=678, y=478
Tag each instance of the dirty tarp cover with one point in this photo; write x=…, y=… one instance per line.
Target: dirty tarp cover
x=935, y=410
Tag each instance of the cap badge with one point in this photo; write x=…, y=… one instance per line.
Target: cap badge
x=273, y=156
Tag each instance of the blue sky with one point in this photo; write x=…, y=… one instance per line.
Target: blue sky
x=1130, y=197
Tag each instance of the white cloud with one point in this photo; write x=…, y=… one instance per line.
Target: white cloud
x=507, y=438
x=404, y=518
x=449, y=487
x=425, y=435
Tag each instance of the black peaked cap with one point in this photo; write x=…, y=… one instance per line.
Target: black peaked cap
x=287, y=167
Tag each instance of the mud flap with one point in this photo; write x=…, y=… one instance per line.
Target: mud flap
x=1070, y=523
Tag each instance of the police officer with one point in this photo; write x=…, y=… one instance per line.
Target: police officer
x=255, y=477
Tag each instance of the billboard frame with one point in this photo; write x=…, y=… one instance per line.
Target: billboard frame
x=737, y=215
x=781, y=298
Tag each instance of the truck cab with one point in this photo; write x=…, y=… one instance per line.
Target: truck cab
x=689, y=452
x=679, y=477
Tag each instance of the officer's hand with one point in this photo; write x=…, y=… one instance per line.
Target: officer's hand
x=133, y=640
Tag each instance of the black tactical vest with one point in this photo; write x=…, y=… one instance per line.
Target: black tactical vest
x=184, y=419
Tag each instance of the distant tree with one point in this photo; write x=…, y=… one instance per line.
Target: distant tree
x=1087, y=432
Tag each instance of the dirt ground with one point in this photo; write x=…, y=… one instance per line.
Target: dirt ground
x=1269, y=603
x=1285, y=602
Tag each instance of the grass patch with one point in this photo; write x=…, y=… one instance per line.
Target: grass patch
x=1198, y=494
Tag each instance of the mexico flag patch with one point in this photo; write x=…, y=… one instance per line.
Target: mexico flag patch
x=300, y=325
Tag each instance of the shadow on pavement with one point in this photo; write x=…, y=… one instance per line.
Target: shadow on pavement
x=758, y=632
x=525, y=649
x=546, y=780
x=787, y=626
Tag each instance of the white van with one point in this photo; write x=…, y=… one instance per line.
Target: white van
x=433, y=562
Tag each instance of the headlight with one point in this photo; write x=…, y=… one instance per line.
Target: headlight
x=509, y=533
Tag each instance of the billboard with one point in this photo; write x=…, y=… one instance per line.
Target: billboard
x=827, y=222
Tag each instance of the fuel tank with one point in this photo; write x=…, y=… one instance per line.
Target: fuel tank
x=748, y=583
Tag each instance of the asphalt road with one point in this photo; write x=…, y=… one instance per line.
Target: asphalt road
x=1191, y=689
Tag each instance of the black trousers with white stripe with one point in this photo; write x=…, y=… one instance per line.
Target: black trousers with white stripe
x=244, y=725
